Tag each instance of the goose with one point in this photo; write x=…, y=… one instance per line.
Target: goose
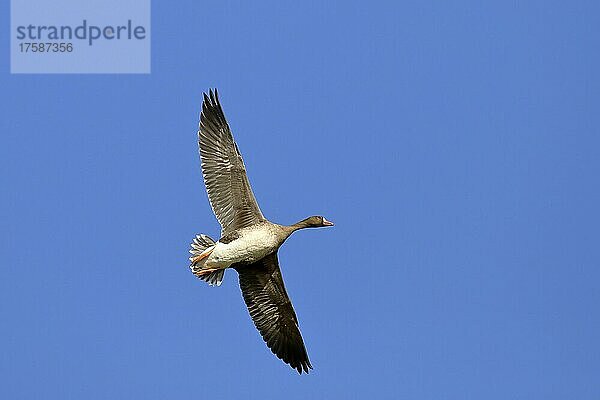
x=249, y=242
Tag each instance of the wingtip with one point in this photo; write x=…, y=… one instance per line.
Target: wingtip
x=210, y=98
x=300, y=365
x=304, y=367
x=213, y=97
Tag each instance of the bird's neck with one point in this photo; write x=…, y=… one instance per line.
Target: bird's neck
x=297, y=226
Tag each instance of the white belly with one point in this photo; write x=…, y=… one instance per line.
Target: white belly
x=251, y=246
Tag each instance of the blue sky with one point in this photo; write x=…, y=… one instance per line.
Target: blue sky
x=455, y=146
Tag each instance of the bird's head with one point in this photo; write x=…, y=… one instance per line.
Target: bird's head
x=316, y=221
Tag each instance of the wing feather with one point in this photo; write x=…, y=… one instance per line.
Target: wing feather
x=272, y=312
x=227, y=185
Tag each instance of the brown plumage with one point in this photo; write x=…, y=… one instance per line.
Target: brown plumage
x=249, y=242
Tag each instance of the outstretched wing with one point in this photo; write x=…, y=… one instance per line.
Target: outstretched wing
x=227, y=184
x=272, y=312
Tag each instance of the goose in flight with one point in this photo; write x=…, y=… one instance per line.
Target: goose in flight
x=249, y=242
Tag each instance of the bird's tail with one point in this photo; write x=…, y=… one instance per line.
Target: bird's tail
x=201, y=247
